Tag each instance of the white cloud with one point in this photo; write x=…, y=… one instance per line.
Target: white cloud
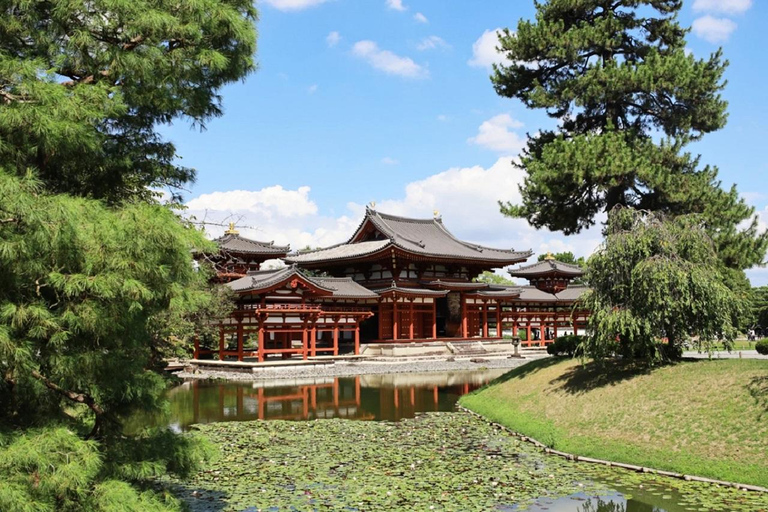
x=312, y=89
x=495, y=134
x=714, y=30
x=431, y=43
x=387, y=61
x=389, y=161
x=273, y=213
x=450, y=192
x=291, y=217
x=332, y=39
x=269, y=202
x=293, y=5
x=420, y=18
x=396, y=5
x=442, y=118
x=722, y=6
x=484, y=53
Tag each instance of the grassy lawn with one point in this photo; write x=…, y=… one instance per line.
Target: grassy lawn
x=744, y=345
x=707, y=418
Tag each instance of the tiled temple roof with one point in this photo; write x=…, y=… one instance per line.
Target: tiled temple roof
x=234, y=243
x=421, y=237
x=418, y=292
x=533, y=294
x=548, y=267
x=345, y=288
x=336, y=287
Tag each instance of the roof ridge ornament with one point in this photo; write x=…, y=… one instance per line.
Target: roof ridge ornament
x=231, y=230
x=549, y=256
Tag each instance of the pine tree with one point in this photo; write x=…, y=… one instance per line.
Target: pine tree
x=97, y=284
x=84, y=84
x=628, y=98
x=91, y=299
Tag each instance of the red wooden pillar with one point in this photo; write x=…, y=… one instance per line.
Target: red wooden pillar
x=499, y=329
x=261, y=344
x=464, y=329
x=336, y=339
x=485, y=319
x=304, y=339
x=528, y=327
x=575, y=329
x=380, y=320
x=395, y=323
x=357, y=337
x=434, y=319
x=313, y=340
x=239, y=339
x=221, y=342
x=410, y=319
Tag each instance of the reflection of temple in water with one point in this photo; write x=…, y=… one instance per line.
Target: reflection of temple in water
x=369, y=397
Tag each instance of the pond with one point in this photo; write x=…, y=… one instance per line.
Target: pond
x=418, y=456
x=388, y=397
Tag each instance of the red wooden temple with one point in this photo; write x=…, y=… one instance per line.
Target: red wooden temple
x=396, y=279
x=238, y=255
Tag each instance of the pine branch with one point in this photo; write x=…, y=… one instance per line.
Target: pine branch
x=80, y=398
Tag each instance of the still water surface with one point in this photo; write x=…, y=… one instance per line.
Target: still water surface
x=388, y=397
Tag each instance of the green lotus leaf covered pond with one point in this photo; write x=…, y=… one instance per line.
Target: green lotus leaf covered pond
x=436, y=461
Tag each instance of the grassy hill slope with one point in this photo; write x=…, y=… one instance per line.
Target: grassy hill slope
x=706, y=418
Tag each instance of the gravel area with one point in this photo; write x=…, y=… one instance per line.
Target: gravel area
x=352, y=368
x=723, y=354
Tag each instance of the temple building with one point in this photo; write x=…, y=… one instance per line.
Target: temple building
x=238, y=255
x=395, y=280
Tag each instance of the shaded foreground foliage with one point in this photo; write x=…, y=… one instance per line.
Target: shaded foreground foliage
x=437, y=461
x=664, y=417
x=91, y=301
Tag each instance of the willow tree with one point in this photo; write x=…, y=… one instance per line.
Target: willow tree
x=656, y=283
x=85, y=83
x=628, y=98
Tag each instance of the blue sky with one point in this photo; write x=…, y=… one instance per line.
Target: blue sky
x=389, y=101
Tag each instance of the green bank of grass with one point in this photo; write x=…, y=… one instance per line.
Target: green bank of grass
x=706, y=418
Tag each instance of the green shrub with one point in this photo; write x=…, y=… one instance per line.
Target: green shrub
x=565, y=345
x=762, y=347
